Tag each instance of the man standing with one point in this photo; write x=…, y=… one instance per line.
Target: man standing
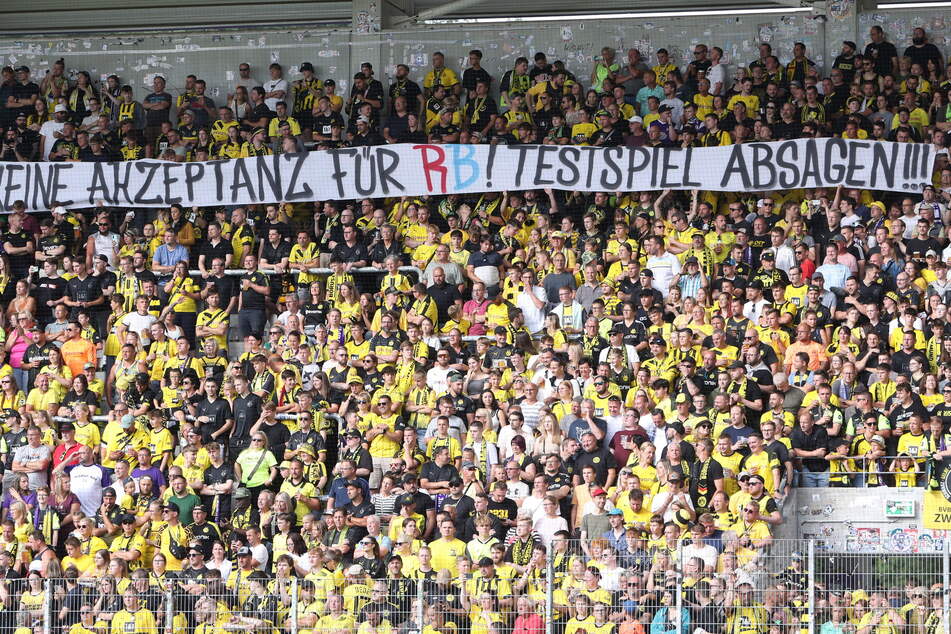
x=255, y=291
x=77, y=351
x=52, y=130
x=33, y=459
x=883, y=53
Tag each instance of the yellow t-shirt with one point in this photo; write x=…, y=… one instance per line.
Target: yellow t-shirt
x=443, y=77
x=445, y=553
x=141, y=621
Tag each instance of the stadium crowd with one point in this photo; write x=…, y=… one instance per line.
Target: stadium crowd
x=623, y=385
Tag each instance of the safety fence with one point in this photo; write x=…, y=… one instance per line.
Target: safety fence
x=717, y=583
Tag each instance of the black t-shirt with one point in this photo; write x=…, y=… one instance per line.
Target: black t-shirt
x=412, y=137
x=345, y=253
x=881, y=55
x=226, y=286
x=48, y=289
x=601, y=459
x=277, y=437
x=212, y=251
x=274, y=254
x=37, y=354
x=434, y=473
x=445, y=296
x=250, y=298
x=506, y=511
x=323, y=124
x=246, y=411
x=19, y=262
x=217, y=411
x=84, y=290
x=817, y=438
x=315, y=314
x=24, y=91
x=106, y=279
x=259, y=111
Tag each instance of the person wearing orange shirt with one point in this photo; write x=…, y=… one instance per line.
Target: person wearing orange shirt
x=77, y=351
x=804, y=343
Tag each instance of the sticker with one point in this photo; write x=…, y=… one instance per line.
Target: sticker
x=275, y=57
x=87, y=44
x=229, y=75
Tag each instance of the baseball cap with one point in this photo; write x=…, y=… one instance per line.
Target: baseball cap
x=598, y=491
x=59, y=209
x=657, y=341
x=89, y=366
x=60, y=107
x=681, y=398
x=615, y=512
x=691, y=260
x=242, y=493
x=635, y=119
x=307, y=66
x=244, y=551
x=407, y=499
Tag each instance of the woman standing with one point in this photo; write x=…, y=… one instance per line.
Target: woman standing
x=256, y=467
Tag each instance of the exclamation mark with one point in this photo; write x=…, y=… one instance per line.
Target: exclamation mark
x=925, y=163
x=488, y=165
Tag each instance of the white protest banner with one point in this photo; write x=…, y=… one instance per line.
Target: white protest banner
x=416, y=170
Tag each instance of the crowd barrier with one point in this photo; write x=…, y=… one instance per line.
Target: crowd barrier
x=678, y=587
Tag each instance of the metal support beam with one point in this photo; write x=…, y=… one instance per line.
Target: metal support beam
x=435, y=12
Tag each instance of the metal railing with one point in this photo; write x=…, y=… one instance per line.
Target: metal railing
x=718, y=583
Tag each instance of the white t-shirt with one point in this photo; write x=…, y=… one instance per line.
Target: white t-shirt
x=47, y=130
x=664, y=267
x=438, y=379
x=259, y=553
x=137, y=323
x=717, y=74
x=534, y=317
x=274, y=85
x=87, y=483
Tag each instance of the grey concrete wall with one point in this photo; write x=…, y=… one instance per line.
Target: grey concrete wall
x=854, y=520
